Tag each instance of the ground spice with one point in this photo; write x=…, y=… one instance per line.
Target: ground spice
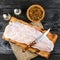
x=35, y=13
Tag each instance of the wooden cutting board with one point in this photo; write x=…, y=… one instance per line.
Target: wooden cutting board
x=18, y=51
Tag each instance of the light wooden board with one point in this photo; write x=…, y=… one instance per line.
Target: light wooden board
x=52, y=37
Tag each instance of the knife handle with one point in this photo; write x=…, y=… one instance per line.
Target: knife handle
x=31, y=44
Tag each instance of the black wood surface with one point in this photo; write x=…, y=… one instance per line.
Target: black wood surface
x=51, y=20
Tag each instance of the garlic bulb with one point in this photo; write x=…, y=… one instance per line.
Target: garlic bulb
x=6, y=16
x=17, y=11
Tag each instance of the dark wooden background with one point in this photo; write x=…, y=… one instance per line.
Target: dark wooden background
x=51, y=20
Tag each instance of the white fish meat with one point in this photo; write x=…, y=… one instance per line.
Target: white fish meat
x=27, y=34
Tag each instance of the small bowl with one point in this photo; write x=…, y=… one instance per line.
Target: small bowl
x=35, y=13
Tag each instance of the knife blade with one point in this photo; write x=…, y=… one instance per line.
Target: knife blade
x=40, y=37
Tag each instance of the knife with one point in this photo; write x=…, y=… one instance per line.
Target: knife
x=37, y=40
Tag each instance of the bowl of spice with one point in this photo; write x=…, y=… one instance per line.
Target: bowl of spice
x=35, y=13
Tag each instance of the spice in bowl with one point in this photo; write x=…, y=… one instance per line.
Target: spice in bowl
x=35, y=13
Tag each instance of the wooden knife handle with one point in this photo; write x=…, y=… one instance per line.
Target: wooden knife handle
x=31, y=44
